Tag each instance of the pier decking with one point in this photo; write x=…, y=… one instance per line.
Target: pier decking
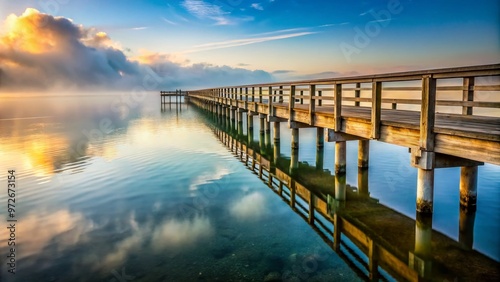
x=446, y=117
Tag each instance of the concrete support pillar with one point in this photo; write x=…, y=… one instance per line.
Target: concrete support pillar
x=425, y=191
x=363, y=153
x=320, y=137
x=340, y=157
x=468, y=187
x=276, y=132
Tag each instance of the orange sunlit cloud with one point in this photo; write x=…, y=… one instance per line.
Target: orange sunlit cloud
x=45, y=52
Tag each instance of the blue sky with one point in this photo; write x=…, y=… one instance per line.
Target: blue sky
x=293, y=39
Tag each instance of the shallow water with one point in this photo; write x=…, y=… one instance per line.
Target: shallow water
x=111, y=188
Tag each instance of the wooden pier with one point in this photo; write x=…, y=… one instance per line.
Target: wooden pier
x=441, y=115
x=177, y=95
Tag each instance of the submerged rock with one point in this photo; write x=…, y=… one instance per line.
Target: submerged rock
x=273, y=277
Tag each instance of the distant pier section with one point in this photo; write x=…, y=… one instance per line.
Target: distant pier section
x=445, y=117
x=177, y=96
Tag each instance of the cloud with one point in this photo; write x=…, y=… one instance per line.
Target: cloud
x=207, y=11
x=168, y=235
x=169, y=21
x=282, y=71
x=257, y=6
x=322, y=75
x=42, y=229
x=208, y=178
x=250, y=207
x=40, y=51
x=242, y=42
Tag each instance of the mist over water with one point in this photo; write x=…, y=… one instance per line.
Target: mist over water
x=110, y=185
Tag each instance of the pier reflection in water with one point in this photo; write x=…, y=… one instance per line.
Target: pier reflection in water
x=375, y=240
x=158, y=198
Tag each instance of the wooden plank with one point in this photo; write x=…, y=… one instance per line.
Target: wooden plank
x=428, y=113
x=376, y=109
x=373, y=260
x=486, y=87
x=396, y=266
x=469, y=104
x=478, y=150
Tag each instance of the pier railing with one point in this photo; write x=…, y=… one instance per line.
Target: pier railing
x=466, y=99
x=353, y=90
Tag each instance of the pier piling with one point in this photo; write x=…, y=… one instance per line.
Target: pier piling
x=340, y=157
x=468, y=187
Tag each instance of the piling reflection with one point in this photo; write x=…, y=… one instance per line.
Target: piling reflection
x=320, y=158
x=363, y=182
x=376, y=241
x=466, y=228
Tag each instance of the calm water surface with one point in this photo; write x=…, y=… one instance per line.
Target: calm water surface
x=111, y=189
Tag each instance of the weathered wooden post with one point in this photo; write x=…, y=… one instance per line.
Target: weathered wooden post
x=310, y=218
x=357, y=93
x=425, y=181
x=468, y=94
x=280, y=99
